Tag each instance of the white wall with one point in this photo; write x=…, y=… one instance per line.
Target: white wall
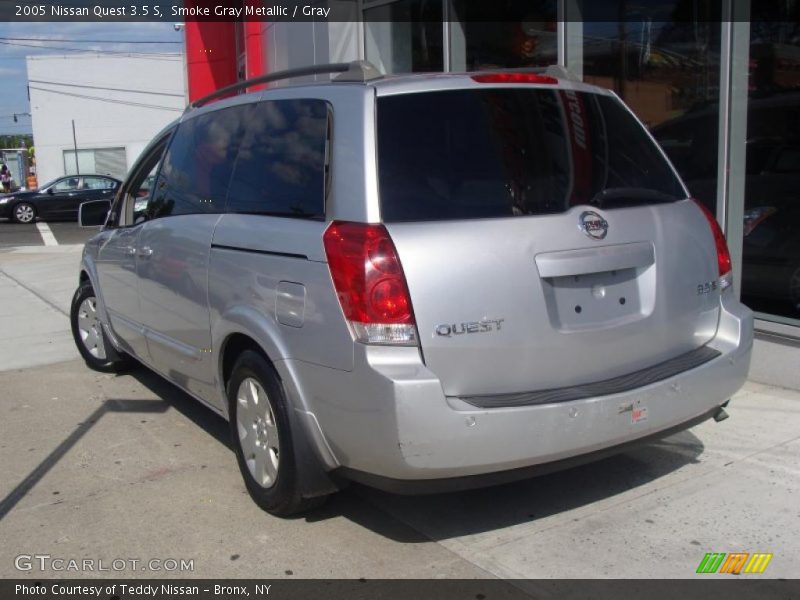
x=115, y=100
x=291, y=45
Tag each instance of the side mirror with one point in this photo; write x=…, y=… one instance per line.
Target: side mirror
x=93, y=214
x=50, y=191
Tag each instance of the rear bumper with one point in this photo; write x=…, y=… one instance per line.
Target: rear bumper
x=468, y=482
x=388, y=423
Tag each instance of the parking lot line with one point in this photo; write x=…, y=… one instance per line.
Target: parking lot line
x=47, y=236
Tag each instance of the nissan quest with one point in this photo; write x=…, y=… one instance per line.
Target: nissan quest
x=420, y=283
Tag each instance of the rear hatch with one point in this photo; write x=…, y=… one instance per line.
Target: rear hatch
x=545, y=239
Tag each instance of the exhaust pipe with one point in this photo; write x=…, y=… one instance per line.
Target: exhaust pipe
x=721, y=415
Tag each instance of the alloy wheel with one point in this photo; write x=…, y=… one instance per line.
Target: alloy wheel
x=258, y=432
x=24, y=213
x=89, y=328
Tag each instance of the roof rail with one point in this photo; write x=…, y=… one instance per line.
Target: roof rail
x=560, y=72
x=359, y=70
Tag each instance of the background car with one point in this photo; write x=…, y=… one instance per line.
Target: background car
x=143, y=195
x=58, y=199
x=770, y=246
x=771, y=255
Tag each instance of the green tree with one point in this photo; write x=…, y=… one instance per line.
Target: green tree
x=16, y=141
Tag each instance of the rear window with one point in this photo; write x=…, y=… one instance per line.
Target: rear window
x=282, y=163
x=470, y=154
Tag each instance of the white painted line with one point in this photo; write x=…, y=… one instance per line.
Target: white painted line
x=60, y=249
x=47, y=236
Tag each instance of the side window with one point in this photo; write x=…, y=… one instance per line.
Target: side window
x=142, y=191
x=97, y=183
x=198, y=164
x=131, y=206
x=281, y=167
x=67, y=185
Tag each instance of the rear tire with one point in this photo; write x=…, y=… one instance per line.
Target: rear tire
x=88, y=333
x=24, y=212
x=262, y=437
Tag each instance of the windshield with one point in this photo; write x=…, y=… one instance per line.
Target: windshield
x=48, y=184
x=496, y=152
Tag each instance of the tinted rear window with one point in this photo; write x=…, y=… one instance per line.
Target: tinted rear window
x=470, y=154
x=281, y=165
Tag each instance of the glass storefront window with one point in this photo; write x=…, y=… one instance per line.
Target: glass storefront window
x=771, y=244
x=663, y=61
x=662, y=57
x=515, y=34
x=405, y=36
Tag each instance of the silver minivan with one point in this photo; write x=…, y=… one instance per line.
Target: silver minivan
x=421, y=283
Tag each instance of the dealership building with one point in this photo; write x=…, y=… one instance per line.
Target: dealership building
x=95, y=112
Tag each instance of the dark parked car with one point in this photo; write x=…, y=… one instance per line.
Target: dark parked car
x=771, y=245
x=58, y=199
x=771, y=277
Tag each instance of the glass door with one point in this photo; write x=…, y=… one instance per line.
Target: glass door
x=770, y=240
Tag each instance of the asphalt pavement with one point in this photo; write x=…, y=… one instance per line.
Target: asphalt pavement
x=128, y=467
x=14, y=235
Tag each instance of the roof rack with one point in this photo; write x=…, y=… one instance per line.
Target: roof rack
x=561, y=72
x=359, y=71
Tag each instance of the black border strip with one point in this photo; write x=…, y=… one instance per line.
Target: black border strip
x=322, y=11
x=702, y=588
x=255, y=251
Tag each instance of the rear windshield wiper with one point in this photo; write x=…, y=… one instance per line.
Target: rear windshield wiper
x=630, y=196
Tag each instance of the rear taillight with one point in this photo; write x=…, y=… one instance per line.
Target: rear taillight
x=514, y=78
x=723, y=255
x=370, y=284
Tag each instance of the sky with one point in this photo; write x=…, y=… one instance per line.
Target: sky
x=13, y=75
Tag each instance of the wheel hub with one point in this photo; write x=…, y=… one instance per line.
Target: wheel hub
x=90, y=329
x=24, y=213
x=258, y=432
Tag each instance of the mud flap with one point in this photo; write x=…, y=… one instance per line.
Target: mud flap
x=313, y=480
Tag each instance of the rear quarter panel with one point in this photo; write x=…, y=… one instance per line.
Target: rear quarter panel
x=267, y=281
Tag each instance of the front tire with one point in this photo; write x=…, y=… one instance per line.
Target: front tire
x=24, y=212
x=87, y=331
x=262, y=437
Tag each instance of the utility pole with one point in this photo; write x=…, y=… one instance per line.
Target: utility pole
x=75, y=145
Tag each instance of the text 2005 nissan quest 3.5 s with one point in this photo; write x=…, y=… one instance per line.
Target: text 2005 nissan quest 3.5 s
x=420, y=283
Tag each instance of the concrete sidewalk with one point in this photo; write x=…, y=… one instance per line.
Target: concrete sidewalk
x=652, y=512
x=36, y=287
x=109, y=467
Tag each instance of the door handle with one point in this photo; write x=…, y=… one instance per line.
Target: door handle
x=145, y=251
x=130, y=250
